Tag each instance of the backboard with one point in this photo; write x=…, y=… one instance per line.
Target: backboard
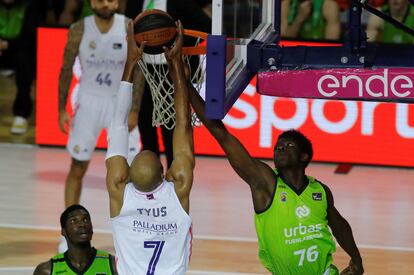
x=235, y=24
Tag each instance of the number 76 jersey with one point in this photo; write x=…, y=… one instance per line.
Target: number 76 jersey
x=152, y=233
x=293, y=233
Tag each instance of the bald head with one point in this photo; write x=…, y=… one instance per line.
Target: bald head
x=146, y=171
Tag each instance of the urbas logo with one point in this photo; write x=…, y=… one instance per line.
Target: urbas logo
x=375, y=86
x=302, y=230
x=302, y=211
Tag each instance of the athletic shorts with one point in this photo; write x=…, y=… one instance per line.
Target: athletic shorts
x=92, y=114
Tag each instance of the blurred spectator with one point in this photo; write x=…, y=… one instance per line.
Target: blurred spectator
x=75, y=10
x=206, y=6
x=344, y=4
x=310, y=19
x=190, y=12
x=18, y=22
x=379, y=30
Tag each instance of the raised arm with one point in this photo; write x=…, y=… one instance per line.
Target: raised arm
x=138, y=85
x=117, y=167
x=343, y=234
x=258, y=175
x=71, y=51
x=181, y=170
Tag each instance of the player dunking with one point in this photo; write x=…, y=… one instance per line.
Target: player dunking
x=292, y=210
x=149, y=213
x=99, y=41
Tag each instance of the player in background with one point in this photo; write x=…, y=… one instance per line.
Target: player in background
x=81, y=257
x=99, y=42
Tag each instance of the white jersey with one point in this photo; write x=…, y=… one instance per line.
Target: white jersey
x=102, y=57
x=152, y=233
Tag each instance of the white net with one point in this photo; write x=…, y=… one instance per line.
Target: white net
x=156, y=74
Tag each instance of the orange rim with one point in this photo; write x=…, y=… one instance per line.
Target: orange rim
x=195, y=50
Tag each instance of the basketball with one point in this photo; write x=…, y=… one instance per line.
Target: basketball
x=157, y=28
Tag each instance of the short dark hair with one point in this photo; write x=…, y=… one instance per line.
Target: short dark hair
x=64, y=216
x=304, y=143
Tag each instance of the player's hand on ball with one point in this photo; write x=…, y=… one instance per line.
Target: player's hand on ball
x=174, y=54
x=353, y=269
x=134, y=54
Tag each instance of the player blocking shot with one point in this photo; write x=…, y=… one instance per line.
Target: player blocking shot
x=295, y=216
x=149, y=212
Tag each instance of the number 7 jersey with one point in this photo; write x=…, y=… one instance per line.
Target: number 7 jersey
x=152, y=233
x=293, y=233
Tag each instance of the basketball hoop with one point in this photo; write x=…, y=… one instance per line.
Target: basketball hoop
x=155, y=70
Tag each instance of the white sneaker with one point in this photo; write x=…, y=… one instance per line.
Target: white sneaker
x=63, y=245
x=19, y=125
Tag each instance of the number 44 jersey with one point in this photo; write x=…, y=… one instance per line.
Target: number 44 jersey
x=102, y=57
x=152, y=233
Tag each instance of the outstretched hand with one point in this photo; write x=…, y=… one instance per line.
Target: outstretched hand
x=353, y=269
x=174, y=54
x=134, y=54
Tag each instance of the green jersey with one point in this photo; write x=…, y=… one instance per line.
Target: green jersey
x=11, y=20
x=391, y=34
x=314, y=26
x=310, y=30
x=100, y=265
x=293, y=233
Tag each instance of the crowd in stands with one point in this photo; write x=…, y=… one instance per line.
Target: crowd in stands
x=327, y=20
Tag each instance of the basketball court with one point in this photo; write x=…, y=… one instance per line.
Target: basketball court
x=377, y=201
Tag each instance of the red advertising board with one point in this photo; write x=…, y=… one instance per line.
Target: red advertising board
x=341, y=131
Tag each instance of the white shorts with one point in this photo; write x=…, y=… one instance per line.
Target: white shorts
x=92, y=115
